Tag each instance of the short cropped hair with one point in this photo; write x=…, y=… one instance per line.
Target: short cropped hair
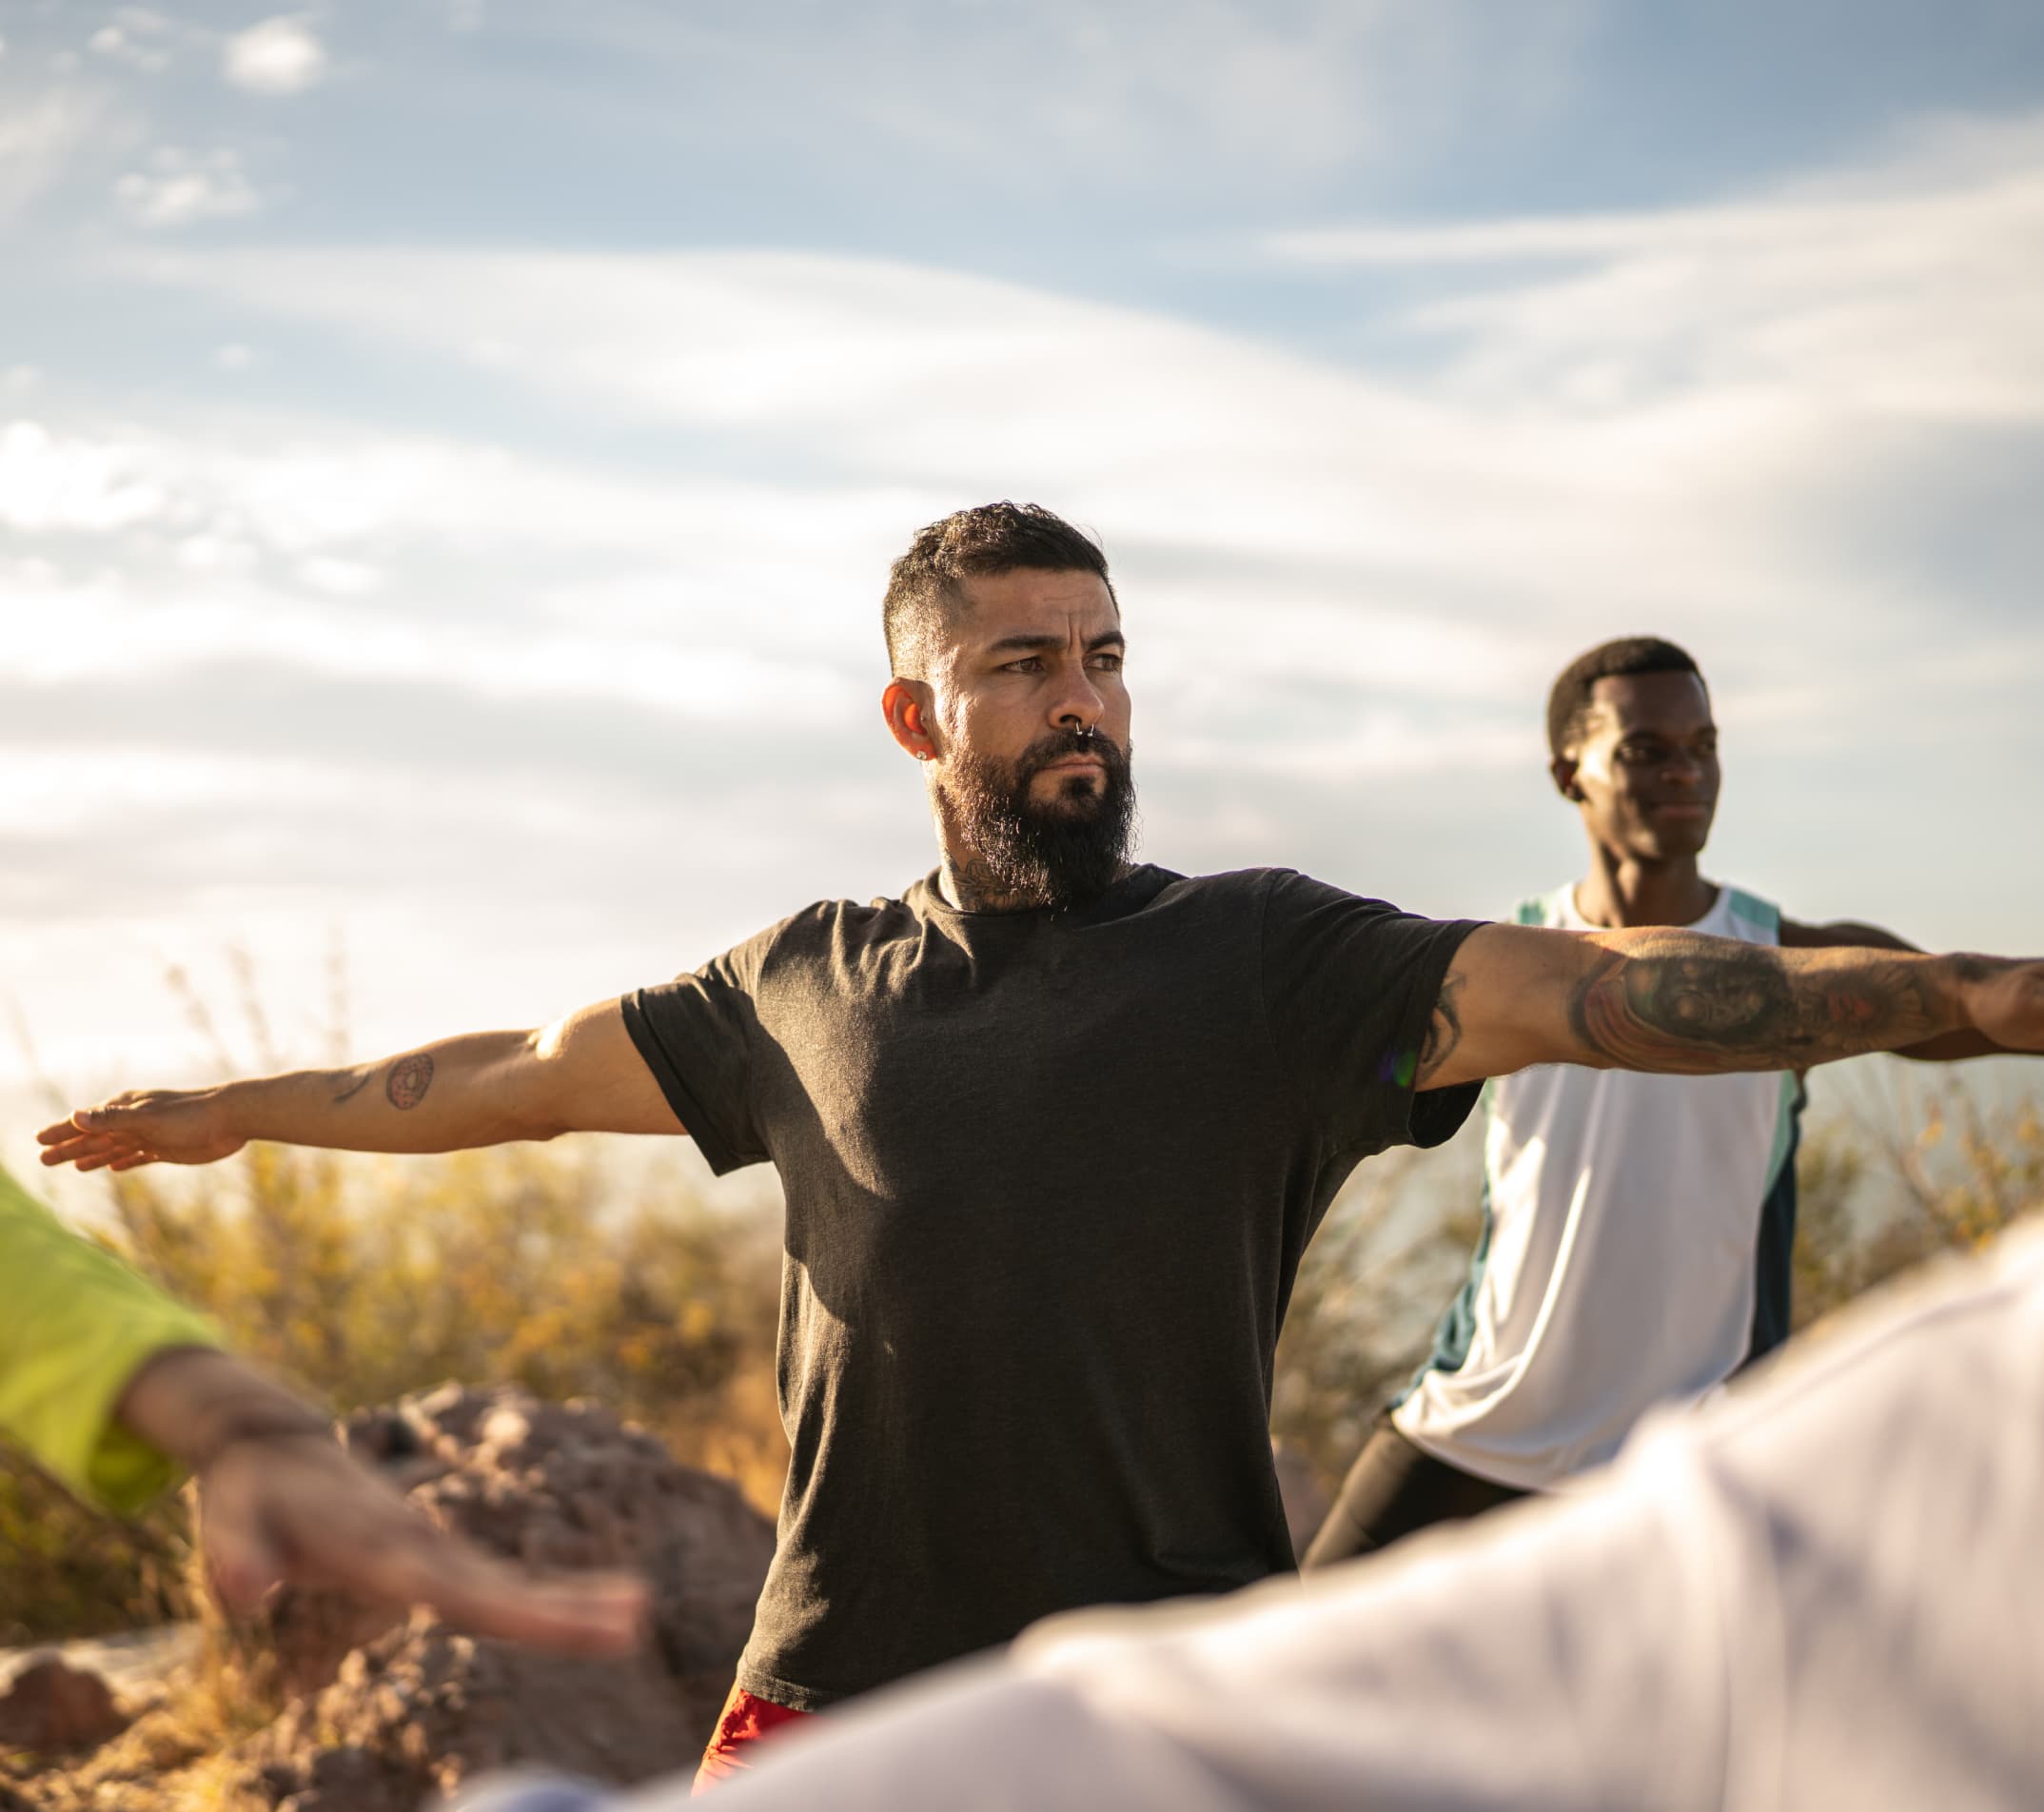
x=1569, y=703
x=982, y=543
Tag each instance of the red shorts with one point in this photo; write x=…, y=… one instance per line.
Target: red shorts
x=747, y=1721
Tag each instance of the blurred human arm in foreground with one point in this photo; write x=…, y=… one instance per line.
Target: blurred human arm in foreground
x=1684, y=1004
x=583, y=1073
x=116, y=1389
x=1821, y=1590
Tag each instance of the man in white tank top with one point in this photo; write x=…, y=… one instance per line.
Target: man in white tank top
x=1637, y=1228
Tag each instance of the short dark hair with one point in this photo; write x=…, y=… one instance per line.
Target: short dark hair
x=975, y=544
x=1568, y=704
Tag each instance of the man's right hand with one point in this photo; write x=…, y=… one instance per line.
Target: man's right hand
x=148, y=1126
x=580, y=1074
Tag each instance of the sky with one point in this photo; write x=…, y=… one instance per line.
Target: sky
x=450, y=453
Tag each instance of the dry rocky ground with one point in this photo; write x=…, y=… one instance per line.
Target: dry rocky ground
x=323, y=1708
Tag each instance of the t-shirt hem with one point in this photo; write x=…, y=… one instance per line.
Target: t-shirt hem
x=695, y=1119
x=786, y=1693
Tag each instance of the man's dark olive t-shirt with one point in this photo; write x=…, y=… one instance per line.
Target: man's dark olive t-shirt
x=1048, y=1175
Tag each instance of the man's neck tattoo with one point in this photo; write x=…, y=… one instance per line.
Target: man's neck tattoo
x=973, y=887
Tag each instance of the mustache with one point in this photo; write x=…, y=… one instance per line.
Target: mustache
x=1059, y=744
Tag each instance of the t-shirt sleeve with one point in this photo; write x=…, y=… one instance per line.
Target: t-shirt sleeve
x=1349, y=987
x=75, y=1326
x=697, y=1034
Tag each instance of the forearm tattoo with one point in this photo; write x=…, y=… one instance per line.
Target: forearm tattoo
x=410, y=1078
x=1696, y=1005
x=407, y=1086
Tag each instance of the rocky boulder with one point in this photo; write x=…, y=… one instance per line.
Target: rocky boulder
x=382, y=1717
x=50, y=1705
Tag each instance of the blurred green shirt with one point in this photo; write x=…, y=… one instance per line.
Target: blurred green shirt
x=75, y=1324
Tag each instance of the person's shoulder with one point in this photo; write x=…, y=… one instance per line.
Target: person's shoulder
x=1287, y=903
x=1294, y=889
x=1257, y=881
x=1222, y=884
x=807, y=937
x=827, y=924
x=1245, y=891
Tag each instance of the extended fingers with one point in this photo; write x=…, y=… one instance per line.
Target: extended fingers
x=336, y=1525
x=376, y=1545
x=242, y=1559
x=89, y=1150
x=82, y=1125
x=595, y=1614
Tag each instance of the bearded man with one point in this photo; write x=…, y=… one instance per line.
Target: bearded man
x=1055, y=1129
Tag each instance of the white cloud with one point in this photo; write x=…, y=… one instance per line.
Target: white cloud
x=139, y=38
x=1904, y=290
x=1132, y=96
x=216, y=554
x=43, y=789
x=1497, y=482
x=305, y=486
x=41, y=138
x=207, y=544
x=282, y=55
x=1898, y=292
x=50, y=486
x=340, y=578
x=203, y=606
x=181, y=187
x=233, y=357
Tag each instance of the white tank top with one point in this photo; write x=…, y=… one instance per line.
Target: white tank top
x=1624, y=1245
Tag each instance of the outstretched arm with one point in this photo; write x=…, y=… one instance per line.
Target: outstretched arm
x=115, y=1389
x=1948, y=1047
x=580, y=1074
x=1673, y=1001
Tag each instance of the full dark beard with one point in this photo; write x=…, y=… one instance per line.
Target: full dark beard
x=1064, y=851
